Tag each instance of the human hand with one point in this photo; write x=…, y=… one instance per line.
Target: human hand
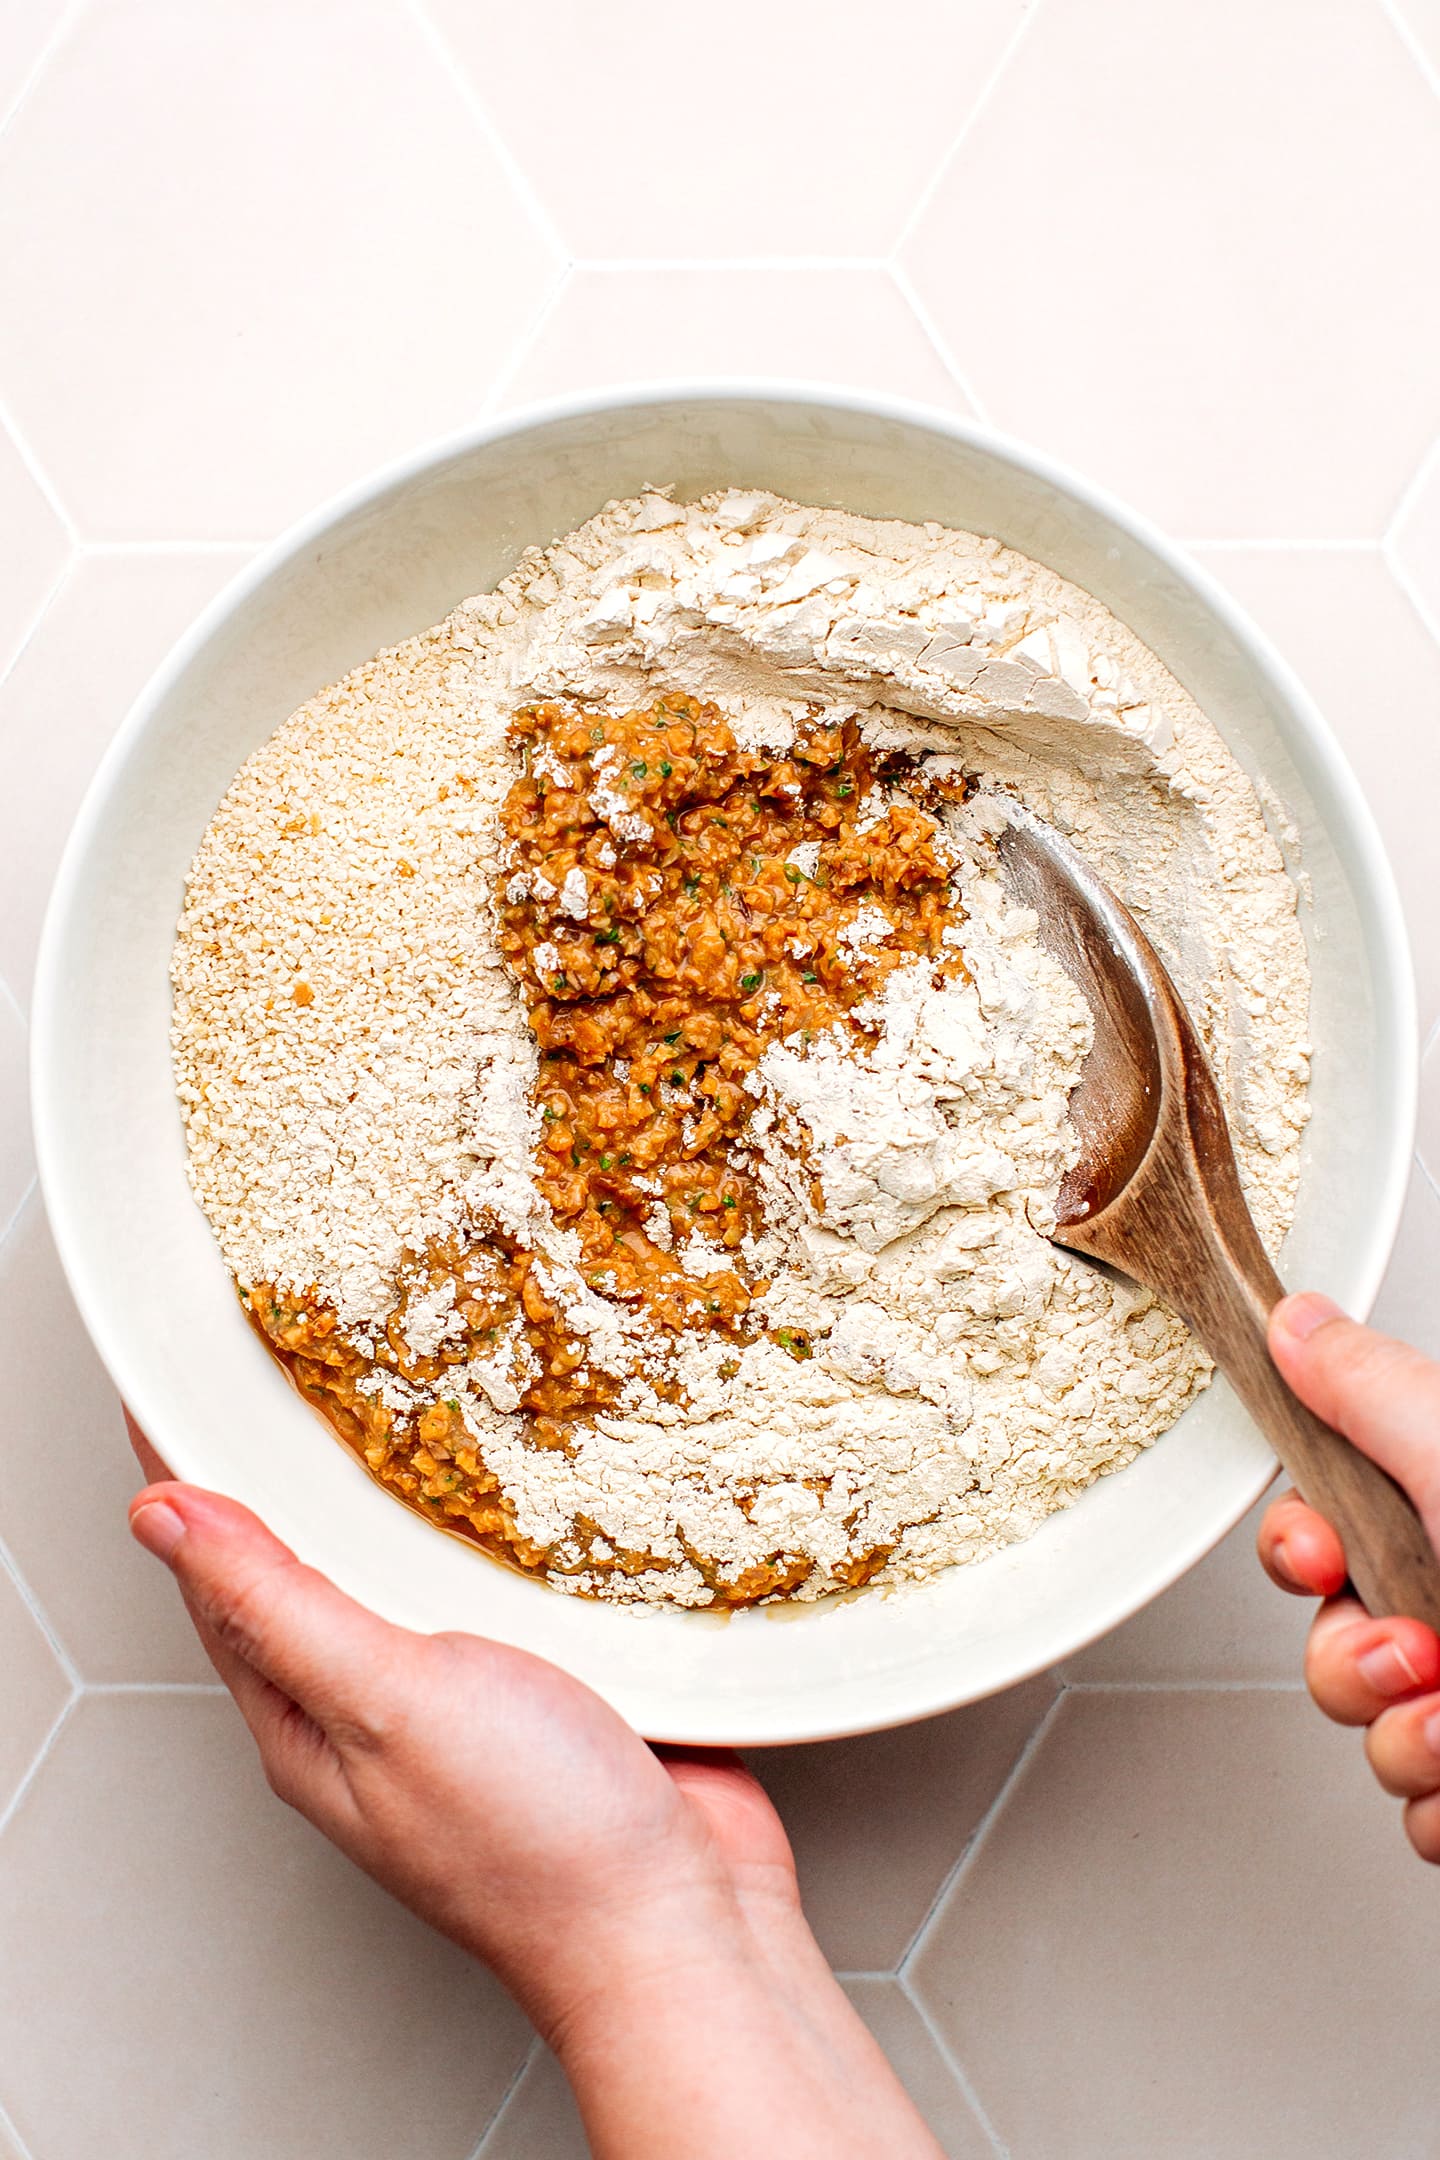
x=641, y=1906
x=1382, y=1674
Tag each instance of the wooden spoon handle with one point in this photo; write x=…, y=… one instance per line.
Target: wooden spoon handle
x=1392, y=1562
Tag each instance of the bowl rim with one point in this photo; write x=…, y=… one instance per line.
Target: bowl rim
x=1374, y=877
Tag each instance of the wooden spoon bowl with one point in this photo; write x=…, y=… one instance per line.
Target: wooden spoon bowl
x=1156, y=1193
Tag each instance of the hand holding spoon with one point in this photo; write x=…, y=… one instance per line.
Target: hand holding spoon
x=1156, y=1194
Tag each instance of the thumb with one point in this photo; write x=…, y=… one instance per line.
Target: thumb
x=1382, y=1394
x=344, y=1666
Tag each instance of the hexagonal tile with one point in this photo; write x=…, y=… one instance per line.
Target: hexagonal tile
x=765, y=133
x=33, y=550
x=1342, y=621
x=68, y=1475
x=102, y=637
x=289, y=2007
x=17, y=1162
x=1223, y=1621
x=877, y=1823
x=304, y=252
x=1430, y=1109
x=33, y=1690
x=921, y=2068
x=1187, y=260
x=1194, y=1929
x=26, y=27
x=615, y=326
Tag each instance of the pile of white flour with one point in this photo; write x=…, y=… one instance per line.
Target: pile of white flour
x=355, y=1066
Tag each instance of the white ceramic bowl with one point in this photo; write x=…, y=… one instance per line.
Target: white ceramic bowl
x=393, y=556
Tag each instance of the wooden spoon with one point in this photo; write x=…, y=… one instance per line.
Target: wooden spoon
x=1156, y=1194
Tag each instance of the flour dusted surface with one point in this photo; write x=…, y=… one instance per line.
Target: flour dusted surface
x=357, y=1072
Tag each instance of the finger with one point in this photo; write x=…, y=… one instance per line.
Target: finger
x=1382, y=1394
x=1299, y=1550
x=1355, y=1667
x=1422, y=1827
x=1403, y=1745
x=155, y=1470
x=345, y=1668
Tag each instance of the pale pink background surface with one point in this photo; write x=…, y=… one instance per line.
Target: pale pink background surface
x=249, y=248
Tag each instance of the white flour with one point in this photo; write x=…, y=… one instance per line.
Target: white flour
x=355, y=1066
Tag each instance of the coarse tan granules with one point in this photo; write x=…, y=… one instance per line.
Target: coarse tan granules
x=664, y=851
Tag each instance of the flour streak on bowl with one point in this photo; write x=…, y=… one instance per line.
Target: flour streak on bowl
x=393, y=556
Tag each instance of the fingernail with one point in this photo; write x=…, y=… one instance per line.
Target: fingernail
x=1281, y=1562
x=1430, y=1733
x=1301, y=1316
x=158, y=1528
x=1387, y=1669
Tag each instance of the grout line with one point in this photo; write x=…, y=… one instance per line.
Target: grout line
x=1270, y=546
x=11, y=1567
x=38, y=473
x=61, y=30
x=479, y=111
x=61, y=580
x=527, y=341
x=1411, y=591
x=7, y=2125
x=1412, y=44
x=979, y=1833
x=7, y=1815
x=842, y=1977
x=171, y=547
x=954, y=2065
x=1185, y=1687
x=531, y=2055
x=904, y=284
x=986, y=92
x=619, y=265
x=153, y=1687
x=21, y=1205
x=1410, y=494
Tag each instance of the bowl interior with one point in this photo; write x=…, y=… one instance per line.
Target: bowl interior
x=150, y=1282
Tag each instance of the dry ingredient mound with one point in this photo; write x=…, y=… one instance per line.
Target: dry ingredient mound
x=625, y=1094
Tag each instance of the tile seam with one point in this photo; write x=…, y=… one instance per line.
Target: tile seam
x=460, y=78
x=9, y=1812
x=628, y=265
x=50, y=596
x=1411, y=492
x=7, y=2124
x=1185, y=1687
x=12, y=1220
x=29, y=458
x=103, y=550
x=59, y=33
x=981, y=1831
x=1410, y=591
x=1396, y=18
x=531, y=2055
x=1269, y=544
x=905, y=285
x=30, y=1600
x=528, y=339
x=986, y=91
x=956, y=2068
x=153, y=1687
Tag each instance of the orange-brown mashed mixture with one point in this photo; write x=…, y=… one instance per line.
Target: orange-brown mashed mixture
x=657, y=967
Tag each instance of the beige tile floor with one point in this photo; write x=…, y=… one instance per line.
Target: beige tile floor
x=1151, y=1906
